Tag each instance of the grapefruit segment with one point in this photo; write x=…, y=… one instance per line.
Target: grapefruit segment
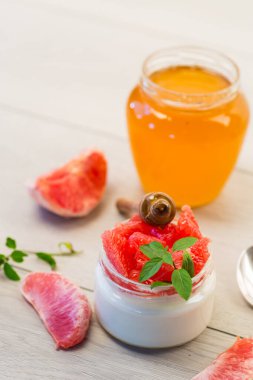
x=115, y=245
x=178, y=258
x=134, y=242
x=199, y=254
x=234, y=364
x=75, y=189
x=61, y=305
x=187, y=224
x=169, y=234
x=139, y=259
x=122, y=245
x=135, y=224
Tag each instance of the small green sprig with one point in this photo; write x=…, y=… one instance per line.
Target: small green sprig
x=18, y=255
x=181, y=278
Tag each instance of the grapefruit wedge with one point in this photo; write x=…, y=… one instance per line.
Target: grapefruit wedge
x=122, y=245
x=61, y=305
x=234, y=364
x=76, y=188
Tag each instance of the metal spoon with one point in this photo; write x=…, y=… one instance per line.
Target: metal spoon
x=244, y=274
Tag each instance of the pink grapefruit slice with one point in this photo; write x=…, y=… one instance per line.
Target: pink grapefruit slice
x=122, y=245
x=234, y=364
x=76, y=188
x=61, y=305
x=187, y=224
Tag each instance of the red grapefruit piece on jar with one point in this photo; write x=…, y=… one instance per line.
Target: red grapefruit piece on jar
x=136, y=240
x=76, y=188
x=235, y=364
x=122, y=245
x=199, y=254
x=115, y=245
x=187, y=224
x=61, y=305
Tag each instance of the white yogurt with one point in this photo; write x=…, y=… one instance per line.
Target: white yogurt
x=146, y=318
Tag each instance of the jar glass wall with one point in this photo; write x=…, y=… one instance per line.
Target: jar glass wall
x=137, y=315
x=186, y=121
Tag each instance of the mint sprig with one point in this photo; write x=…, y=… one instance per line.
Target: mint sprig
x=152, y=250
x=155, y=284
x=184, y=243
x=182, y=282
x=10, y=272
x=10, y=243
x=188, y=264
x=47, y=258
x=159, y=255
x=150, y=268
x=18, y=256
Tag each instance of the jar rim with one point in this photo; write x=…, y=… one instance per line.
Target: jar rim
x=172, y=96
x=139, y=288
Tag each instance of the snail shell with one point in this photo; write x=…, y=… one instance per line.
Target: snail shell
x=157, y=209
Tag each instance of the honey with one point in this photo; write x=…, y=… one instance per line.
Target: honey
x=186, y=125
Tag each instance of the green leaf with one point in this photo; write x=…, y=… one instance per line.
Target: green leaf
x=10, y=243
x=150, y=268
x=66, y=244
x=159, y=283
x=182, y=282
x=47, y=258
x=184, y=243
x=188, y=264
x=18, y=256
x=10, y=272
x=2, y=258
x=153, y=249
x=167, y=258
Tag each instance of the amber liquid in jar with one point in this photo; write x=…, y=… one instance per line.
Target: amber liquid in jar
x=186, y=126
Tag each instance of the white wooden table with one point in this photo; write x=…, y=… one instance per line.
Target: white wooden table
x=66, y=68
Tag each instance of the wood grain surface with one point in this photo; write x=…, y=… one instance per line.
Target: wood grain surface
x=66, y=69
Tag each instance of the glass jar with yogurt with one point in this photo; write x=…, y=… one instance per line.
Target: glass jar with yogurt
x=137, y=315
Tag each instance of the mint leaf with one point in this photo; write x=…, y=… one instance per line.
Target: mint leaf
x=10, y=243
x=159, y=283
x=188, y=264
x=153, y=249
x=2, y=258
x=150, y=268
x=66, y=244
x=18, y=256
x=182, y=282
x=10, y=272
x=147, y=251
x=167, y=258
x=47, y=258
x=184, y=243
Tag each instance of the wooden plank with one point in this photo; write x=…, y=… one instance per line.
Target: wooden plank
x=72, y=71
x=69, y=74
x=27, y=351
x=63, y=90
x=162, y=19
x=31, y=143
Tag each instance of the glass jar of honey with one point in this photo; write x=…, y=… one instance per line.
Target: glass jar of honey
x=186, y=121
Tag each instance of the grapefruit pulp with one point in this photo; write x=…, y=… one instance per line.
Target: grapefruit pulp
x=61, y=305
x=234, y=364
x=76, y=188
x=122, y=245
